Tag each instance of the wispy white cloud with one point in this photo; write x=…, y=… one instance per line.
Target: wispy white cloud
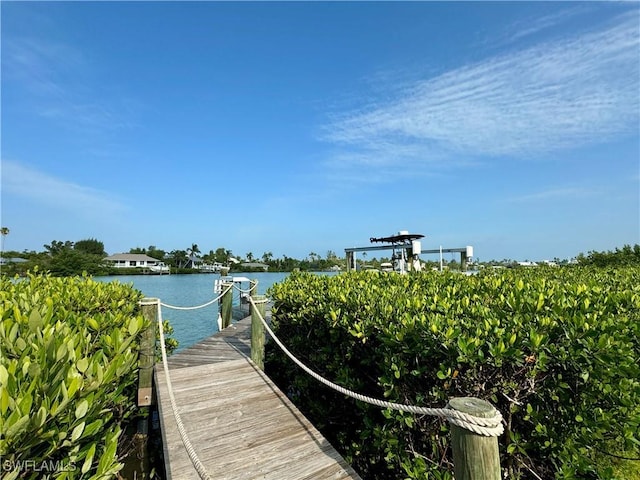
x=27, y=182
x=532, y=26
x=561, y=94
x=56, y=83
x=553, y=194
x=42, y=67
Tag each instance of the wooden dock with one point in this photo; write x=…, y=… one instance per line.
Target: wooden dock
x=240, y=424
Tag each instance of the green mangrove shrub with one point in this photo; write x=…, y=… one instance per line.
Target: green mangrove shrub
x=68, y=374
x=555, y=350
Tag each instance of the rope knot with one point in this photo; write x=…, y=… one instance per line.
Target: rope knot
x=475, y=415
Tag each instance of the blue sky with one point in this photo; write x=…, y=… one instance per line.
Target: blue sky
x=302, y=127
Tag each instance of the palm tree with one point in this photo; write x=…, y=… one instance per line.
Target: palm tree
x=4, y=231
x=192, y=252
x=178, y=257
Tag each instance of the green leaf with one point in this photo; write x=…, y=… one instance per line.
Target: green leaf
x=25, y=404
x=540, y=303
x=77, y=432
x=74, y=385
x=25, y=367
x=4, y=375
x=82, y=364
x=40, y=417
x=89, y=458
x=35, y=321
x=134, y=326
x=34, y=370
x=20, y=344
x=4, y=400
x=61, y=352
x=12, y=475
x=18, y=427
x=92, y=428
x=108, y=457
x=81, y=409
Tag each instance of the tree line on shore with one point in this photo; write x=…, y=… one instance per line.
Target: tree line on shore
x=67, y=258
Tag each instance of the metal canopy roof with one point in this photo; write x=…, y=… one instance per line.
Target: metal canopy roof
x=400, y=238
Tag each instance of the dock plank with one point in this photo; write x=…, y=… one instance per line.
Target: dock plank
x=241, y=425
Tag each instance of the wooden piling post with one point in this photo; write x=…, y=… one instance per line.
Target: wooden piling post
x=226, y=309
x=257, y=330
x=147, y=352
x=146, y=361
x=475, y=457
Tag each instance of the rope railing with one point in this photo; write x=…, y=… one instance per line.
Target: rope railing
x=193, y=456
x=248, y=290
x=211, y=302
x=489, y=427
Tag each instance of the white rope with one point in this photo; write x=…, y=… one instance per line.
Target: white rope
x=183, y=433
x=488, y=427
x=249, y=290
x=173, y=307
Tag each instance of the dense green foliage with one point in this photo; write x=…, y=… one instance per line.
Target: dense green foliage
x=68, y=375
x=556, y=350
x=152, y=251
x=620, y=257
x=61, y=259
x=91, y=246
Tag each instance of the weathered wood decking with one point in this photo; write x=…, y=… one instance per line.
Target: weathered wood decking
x=241, y=426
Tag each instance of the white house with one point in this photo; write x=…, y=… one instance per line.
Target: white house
x=137, y=260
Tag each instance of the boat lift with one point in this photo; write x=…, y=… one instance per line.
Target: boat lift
x=406, y=251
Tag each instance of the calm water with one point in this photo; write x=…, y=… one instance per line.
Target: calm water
x=190, y=290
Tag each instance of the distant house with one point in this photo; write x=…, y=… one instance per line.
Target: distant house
x=135, y=260
x=9, y=261
x=193, y=262
x=214, y=267
x=255, y=266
